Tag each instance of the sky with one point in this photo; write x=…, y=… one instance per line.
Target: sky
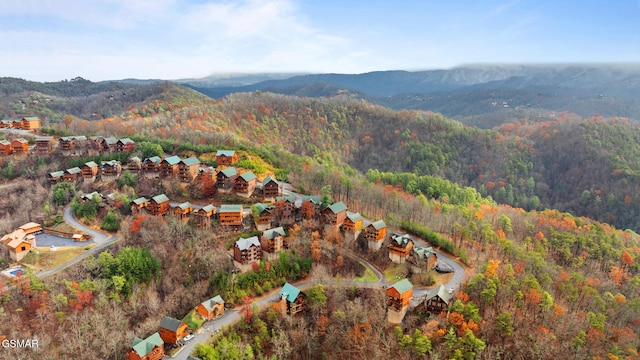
x=52, y=40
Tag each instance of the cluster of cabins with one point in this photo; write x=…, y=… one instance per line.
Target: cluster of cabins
x=107, y=171
x=399, y=297
x=25, y=123
x=17, y=244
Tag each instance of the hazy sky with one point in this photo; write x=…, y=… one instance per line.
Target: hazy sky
x=50, y=40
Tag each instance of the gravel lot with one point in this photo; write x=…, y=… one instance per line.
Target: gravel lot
x=48, y=240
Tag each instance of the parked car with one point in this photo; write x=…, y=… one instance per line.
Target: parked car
x=188, y=337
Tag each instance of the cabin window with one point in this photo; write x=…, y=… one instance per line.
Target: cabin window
x=24, y=248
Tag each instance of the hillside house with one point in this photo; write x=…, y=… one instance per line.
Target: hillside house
x=230, y=215
x=352, y=222
x=17, y=244
x=310, y=207
x=110, y=170
x=294, y=300
x=114, y=199
x=91, y=196
x=67, y=145
x=205, y=181
x=108, y=144
x=212, y=308
x=30, y=123
x=438, y=300
x=31, y=228
x=188, y=169
x=6, y=124
x=5, y=147
x=400, y=247
x=226, y=157
x=125, y=145
x=245, y=184
x=399, y=294
x=159, y=205
x=134, y=165
x=151, y=348
x=264, y=216
x=270, y=188
x=89, y=171
x=374, y=234
x=44, y=145
x=16, y=124
x=203, y=216
x=72, y=175
x=183, y=210
x=172, y=330
x=272, y=241
x=226, y=179
x=334, y=214
x=55, y=177
x=285, y=209
x=138, y=204
x=19, y=146
x=169, y=167
x=151, y=167
x=422, y=259
x=247, y=251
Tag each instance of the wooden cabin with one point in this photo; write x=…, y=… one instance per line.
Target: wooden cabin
x=230, y=215
x=151, y=167
x=5, y=147
x=265, y=216
x=20, y=146
x=245, y=184
x=67, y=145
x=90, y=171
x=247, y=251
x=183, y=210
x=399, y=294
x=400, y=247
x=138, y=204
x=172, y=330
x=108, y=144
x=30, y=123
x=203, y=216
x=294, y=299
x=72, y=175
x=93, y=146
x=125, y=145
x=169, y=167
x=270, y=188
x=285, y=209
x=311, y=207
x=151, y=348
x=376, y=231
x=5, y=124
x=226, y=157
x=55, y=177
x=271, y=240
x=335, y=214
x=31, y=228
x=44, y=145
x=110, y=170
x=16, y=124
x=188, y=169
x=134, y=165
x=212, y=308
x=18, y=244
x=205, y=181
x=438, y=300
x=226, y=179
x=422, y=259
x=352, y=222
x=159, y=205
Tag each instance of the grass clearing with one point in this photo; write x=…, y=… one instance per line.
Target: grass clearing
x=396, y=272
x=42, y=258
x=368, y=276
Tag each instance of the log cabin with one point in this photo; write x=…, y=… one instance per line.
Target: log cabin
x=138, y=204
x=172, y=330
x=399, y=294
x=30, y=123
x=55, y=177
x=31, y=228
x=20, y=146
x=352, y=222
x=335, y=214
x=294, y=299
x=272, y=240
x=151, y=167
x=182, y=211
x=16, y=124
x=6, y=124
x=270, y=188
x=44, y=145
x=310, y=207
x=212, y=308
x=438, y=300
x=226, y=179
x=125, y=145
x=205, y=181
x=285, y=209
x=110, y=170
x=159, y=205
x=19, y=246
x=134, y=165
x=169, y=167
x=67, y=144
x=247, y=251
x=374, y=234
x=89, y=171
x=245, y=184
x=151, y=348
x=230, y=215
x=188, y=169
x=422, y=259
x=108, y=144
x=5, y=147
x=72, y=175
x=226, y=157
x=203, y=216
x=400, y=247
x=264, y=216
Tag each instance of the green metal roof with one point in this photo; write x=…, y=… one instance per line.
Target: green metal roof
x=289, y=198
x=313, y=199
x=208, y=304
x=401, y=239
x=144, y=347
x=442, y=293
x=160, y=198
x=230, y=208
x=191, y=161
x=273, y=233
x=91, y=164
x=56, y=174
x=154, y=159
x=208, y=208
x=248, y=176
x=140, y=200
x=110, y=140
x=338, y=207
x=74, y=170
x=225, y=153
x=354, y=216
x=126, y=141
x=172, y=160
x=423, y=252
x=229, y=172
x=31, y=118
x=379, y=225
x=290, y=292
x=113, y=163
x=184, y=205
x=44, y=138
x=402, y=286
x=269, y=179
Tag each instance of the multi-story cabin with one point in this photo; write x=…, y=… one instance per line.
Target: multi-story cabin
x=203, y=216
x=205, y=181
x=212, y=308
x=247, y=251
x=89, y=171
x=20, y=146
x=108, y=144
x=6, y=124
x=422, y=259
x=17, y=244
x=55, y=177
x=138, y=204
x=272, y=241
x=5, y=147
x=44, y=145
x=270, y=188
x=72, y=175
x=172, y=330
x=110, y=170
x=67, y=145
x=375, y=233
x=230, y=215
x=169, y=167
x=294, y=300
x=226, y=179
x=264, y=216
x=159, y=205
x=226, y=157
x=334, y=214
x=438, y=300
x=151, y=167
x=188, y=169
x=285, y=209
x=400, y=247
x=245, y=184
x=399, y=294
x=310, y=207
x=151, y=348
x=352, y=222
x=30, y=123
x=125, y=145
x=183, y=210
x=16, y=124
x=134, y=164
